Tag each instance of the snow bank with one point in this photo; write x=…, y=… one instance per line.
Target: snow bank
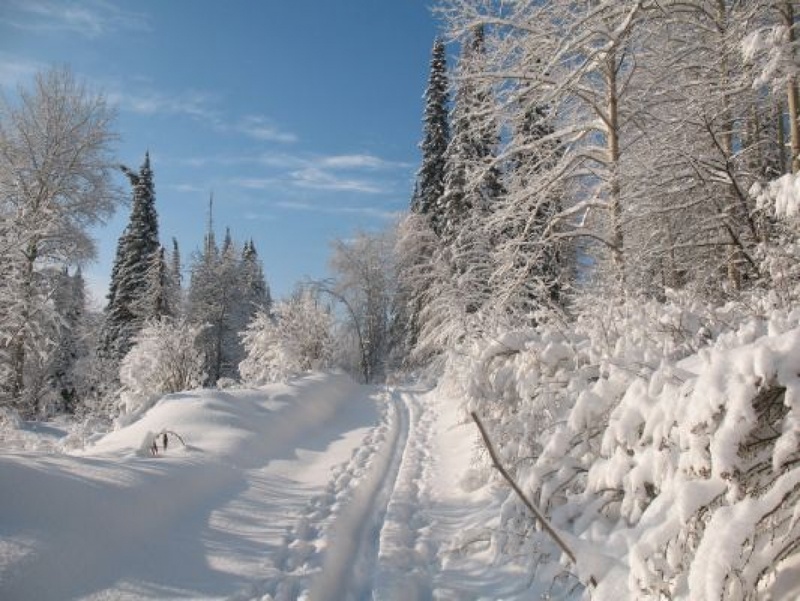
x=113, y=521
x=646, y=431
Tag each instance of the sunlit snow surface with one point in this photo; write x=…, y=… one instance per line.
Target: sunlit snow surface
x=317, y=489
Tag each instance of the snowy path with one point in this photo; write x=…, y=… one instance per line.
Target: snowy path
x=318, y=490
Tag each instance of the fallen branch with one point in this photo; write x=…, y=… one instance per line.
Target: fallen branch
x=538, y=514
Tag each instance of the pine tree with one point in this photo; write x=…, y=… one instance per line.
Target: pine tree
x=127, y=310
x=430, y=178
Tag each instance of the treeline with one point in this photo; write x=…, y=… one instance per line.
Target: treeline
x=56, y=181
x=583, y=150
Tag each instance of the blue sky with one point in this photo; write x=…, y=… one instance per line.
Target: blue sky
x=302, y=116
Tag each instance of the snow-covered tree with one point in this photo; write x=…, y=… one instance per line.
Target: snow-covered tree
x=363, y=284
x=436, y=136
x=69, y=302
x=175, y=281
x=471, y=176
x=138, y=248
x=55, y=183
x=226, y=289
x=416, y=245
x=165, y=358
x=296, y=337
x=255, y=291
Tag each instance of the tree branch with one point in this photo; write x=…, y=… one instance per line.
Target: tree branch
x=539, y=515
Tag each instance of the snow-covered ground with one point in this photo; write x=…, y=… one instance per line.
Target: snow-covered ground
x=317, y=489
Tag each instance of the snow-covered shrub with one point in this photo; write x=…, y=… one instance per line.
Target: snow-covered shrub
x=643, y=428
x=295, y=339
x=780, y=255
x=165, y=358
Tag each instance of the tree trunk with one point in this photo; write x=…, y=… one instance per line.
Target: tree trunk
x=612, y=148
x=787, y=13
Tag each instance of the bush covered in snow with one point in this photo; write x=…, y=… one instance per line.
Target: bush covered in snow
x=664, y=435
x=165, y=358
x=296, y=338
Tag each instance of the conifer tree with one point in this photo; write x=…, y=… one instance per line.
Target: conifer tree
x=127, y=310
x=156, y=300
x=529, y=257
x=227, y=288
x=471, y=179
x=256, y=293
x=175, y=281
x=430, y=178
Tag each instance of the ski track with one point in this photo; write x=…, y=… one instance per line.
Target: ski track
x=367, y=536
x=407, y=558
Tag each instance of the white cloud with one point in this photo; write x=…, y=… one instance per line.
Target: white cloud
x=251, y=216
x=358, y=161
x=191, y=103
x=338, y=210
x=318, y=179
x=187, y=188
x=89, y=18
x=15, y=70
x=261, y=128
x=255, y=183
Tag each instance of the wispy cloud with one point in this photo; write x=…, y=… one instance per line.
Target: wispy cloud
x=255, y=183
x=338, y=210
x=187, y=188
x=335, y=173
x=89, y=18
x=252, y=216
x=318, y=179
x=261, y=128
x=192, y=103
x=358, y=161
x=15, y=70
x=200, y=105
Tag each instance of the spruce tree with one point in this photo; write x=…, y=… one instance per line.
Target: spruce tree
x=156, y=302
x=126, y=311
x=471, y=179
x=227, y=288
x=436, y=132
x=175, y=281
x=256, y=295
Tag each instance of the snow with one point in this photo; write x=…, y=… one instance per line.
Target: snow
x=315, y=489
x=666, y=458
